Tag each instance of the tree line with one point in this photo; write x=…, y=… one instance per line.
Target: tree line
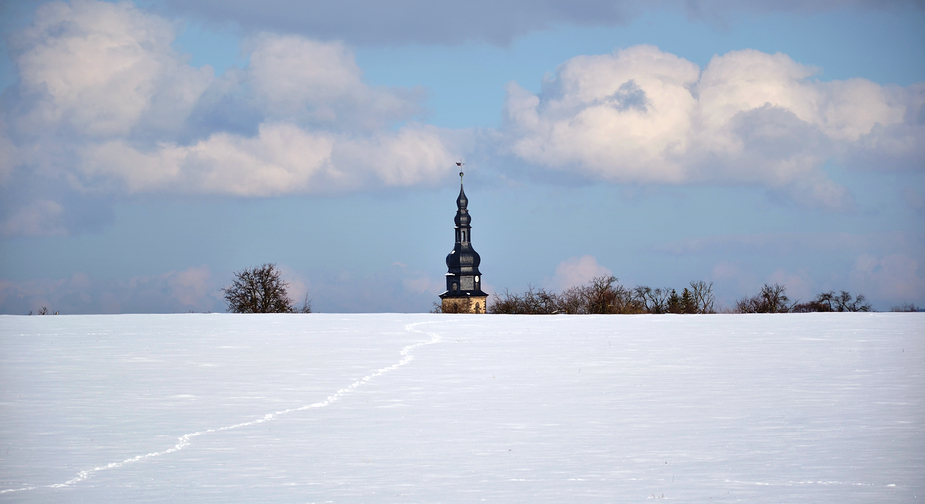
x=773, y=299
x=262, y=290
x=605, y=295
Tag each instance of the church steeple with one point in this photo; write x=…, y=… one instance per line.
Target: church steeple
x=463, y=279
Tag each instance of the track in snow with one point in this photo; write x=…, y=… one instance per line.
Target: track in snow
x=186, y=439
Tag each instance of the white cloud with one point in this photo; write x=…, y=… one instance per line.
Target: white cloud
x=578, y=271
x=282, y=158
x=104, y=69
x=296, y=78
x=618, y=117
x=106, y=105
x=412, y=155
x=643, y=115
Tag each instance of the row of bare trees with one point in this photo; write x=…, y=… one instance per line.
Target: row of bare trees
x=262, y=290
x=773, y=299
x=603, y=295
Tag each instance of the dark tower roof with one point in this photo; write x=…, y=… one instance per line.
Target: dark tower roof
x=462, y=213
x=463, y=276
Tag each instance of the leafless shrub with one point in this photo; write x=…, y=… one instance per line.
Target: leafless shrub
x=306, y=305
x=572, y=301
x=506, y=303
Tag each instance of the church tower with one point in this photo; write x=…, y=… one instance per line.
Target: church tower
x=463, y=279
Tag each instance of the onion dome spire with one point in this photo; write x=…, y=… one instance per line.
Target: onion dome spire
x=462, y=203
x=463, y=278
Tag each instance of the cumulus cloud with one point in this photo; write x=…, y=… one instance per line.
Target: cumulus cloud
x=282, y=158
x=103, y=69
x=305, y=80
x=641, y=115
x=105, y=106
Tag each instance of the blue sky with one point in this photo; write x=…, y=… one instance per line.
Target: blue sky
x=148, y=150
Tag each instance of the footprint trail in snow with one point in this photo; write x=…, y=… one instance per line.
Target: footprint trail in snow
x=186, y=439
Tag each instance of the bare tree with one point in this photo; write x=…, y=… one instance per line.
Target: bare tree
x=627, y=301
x=771, y=299
x=905, y=307
x=259, y=290
x=539, y=302
x=654, y=301
x=600, y=294
x=704, y=299
x=831, y=302
x=844, y=303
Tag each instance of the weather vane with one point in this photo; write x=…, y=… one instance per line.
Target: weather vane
x=460, y=164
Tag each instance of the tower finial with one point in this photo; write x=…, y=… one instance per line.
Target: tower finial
x=460, y=164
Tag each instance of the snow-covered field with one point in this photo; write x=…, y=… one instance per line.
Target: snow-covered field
x=448, y=408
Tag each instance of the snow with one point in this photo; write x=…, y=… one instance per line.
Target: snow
x=462, y=408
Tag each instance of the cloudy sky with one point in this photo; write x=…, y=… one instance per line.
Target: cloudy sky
x=148, y=150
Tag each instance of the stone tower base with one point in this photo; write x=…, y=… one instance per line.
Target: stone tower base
x=468, y=304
